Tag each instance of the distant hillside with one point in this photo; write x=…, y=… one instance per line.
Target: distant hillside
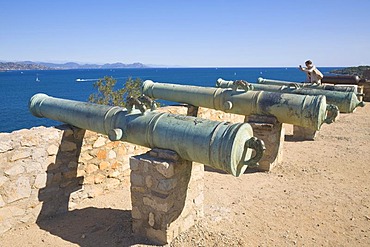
x=29, y=65
x=359, y=70
x=72, y=65
x=19, y=66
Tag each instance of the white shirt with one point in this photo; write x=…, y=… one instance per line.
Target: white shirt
x=312, y=74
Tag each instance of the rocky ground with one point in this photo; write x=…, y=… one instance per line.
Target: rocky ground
x=318, y=196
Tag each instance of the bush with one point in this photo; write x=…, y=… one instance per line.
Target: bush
x=108, y=95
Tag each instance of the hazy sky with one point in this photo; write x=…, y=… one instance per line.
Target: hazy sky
x=187, y=33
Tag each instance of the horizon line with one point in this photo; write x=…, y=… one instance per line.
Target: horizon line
x=184, y=66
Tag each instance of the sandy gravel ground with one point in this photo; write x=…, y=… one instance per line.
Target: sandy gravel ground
x=318, y=196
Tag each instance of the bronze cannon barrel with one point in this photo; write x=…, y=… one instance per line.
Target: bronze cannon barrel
x=221, y=145
x=345, y=101
x=339, y=88
x=302, y=110
x=341, y=79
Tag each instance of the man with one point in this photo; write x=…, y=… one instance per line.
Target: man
x=314, y=75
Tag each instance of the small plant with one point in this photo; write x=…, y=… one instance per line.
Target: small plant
x=108, y=95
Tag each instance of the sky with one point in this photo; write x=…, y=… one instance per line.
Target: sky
x=191, y=33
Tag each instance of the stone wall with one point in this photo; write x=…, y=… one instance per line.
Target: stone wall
x=46, y=171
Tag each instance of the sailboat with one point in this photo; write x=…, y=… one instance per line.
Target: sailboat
x=37, y=78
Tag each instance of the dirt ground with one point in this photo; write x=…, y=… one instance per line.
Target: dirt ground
x=318, y=196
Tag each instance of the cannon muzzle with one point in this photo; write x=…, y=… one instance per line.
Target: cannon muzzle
x=302, y=110
x=221, y=145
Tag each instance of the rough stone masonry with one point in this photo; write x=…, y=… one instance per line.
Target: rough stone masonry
x=166, y=194
x=47, y=171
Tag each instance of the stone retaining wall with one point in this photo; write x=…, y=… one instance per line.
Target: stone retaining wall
x=46, y=171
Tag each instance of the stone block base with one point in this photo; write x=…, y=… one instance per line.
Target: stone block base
x=167, y=195
x=302, y=133
x=360, y=91
x=272, y=133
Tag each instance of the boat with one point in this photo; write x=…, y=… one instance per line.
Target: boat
x=37, y=78
x=78, y=80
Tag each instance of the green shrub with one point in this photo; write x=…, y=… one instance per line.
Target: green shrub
x=108, y=95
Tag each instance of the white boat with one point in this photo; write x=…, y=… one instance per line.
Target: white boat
x=37, y=79
x=79, y=80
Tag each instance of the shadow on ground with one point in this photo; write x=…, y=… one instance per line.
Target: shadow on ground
x=291, y=138
x=249, y=170
x=93, y=227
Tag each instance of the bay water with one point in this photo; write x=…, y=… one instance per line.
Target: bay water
x=17, y=87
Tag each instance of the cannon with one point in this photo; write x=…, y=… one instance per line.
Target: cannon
x=221, y=145
x=345, y=101
x=302, y=110
x=340, y=88
x=341, y=79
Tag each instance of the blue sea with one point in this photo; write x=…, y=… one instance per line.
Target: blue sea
x=17, y=87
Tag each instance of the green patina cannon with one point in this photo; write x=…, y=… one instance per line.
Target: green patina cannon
x=221, y=145
x=345, y=101
x=302, y=110
x=340, y=88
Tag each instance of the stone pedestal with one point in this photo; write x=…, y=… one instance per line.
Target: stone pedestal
x=302, y=133
x=269, y=130
x=360, y=91
x=167, y=195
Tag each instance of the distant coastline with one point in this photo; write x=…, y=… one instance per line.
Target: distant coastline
x=29, y=65
x=361, y=71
